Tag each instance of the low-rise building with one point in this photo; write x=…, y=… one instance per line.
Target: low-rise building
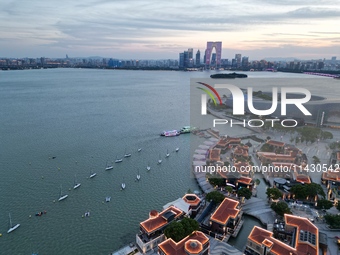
x=296, y=236
x=190, y=204
x=195, y=244
x=151, y=230
x=331, y=179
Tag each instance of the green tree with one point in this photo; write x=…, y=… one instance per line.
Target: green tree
x=314, y=189
x=257, y=182
x=244, y=192
x=273, y=193
x=175, y=230
x=299, y=191
x=281, y=208
x=316, y=160
x=324, y=204
x=215, y=196
x=333, y=220
x=326, y=135
x=229, y=189
x=215, y=181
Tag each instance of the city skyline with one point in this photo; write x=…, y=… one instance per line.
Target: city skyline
x=258, y=29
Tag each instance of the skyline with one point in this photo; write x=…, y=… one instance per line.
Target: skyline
x=258, y=29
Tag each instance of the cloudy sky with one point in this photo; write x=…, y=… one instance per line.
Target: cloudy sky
x=155, y=29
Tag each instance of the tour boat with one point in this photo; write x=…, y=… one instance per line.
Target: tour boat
x=170, y=133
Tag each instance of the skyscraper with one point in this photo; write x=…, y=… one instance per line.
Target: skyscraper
x=238, y=60
x=218, y=48
x=181, y=60
x=198, y=58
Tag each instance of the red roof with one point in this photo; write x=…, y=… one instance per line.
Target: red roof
x=215, y=154
x=192, y=243
x=275, y=143
x=227, y=209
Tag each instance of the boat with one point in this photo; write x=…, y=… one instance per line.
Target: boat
x=11, y=227
x=126, y=155
x=186, y=129
x=87, y=214
x=108, y=167
x=62, y=197
x=167, y=153
x=76, y=185
x=170, y=133
x=92, y=174
x=118, y=160
x=148, y=167
x=177, y=149
x=139, y=149
x=159, y=160
x=108, y=199
x=123, y=185
x=138, y=176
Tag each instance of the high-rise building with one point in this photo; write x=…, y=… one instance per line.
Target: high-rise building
x=238, y=60
x=191, y=53
x=181, y=60
x=198, y=58
x=186, y=58
x=245, y=61
x=208, y=53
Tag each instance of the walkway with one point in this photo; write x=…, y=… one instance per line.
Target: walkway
x=259, y=209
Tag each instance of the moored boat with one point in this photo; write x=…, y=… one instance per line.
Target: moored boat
x=170, y=133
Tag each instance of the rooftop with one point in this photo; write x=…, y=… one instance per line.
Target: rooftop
x=227, y=209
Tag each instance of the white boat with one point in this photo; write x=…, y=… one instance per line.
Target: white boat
x=123, y=185
x=11, y=227
x=186, y=129
x=108, y=199
x=177, y=149
x=108, y=167
x=126, y=155
x=138, y=176
x=159, y=160
x=76, y=185
x=118, y=160
x=148, y=167
x=62, y=197
x=87, y=214
x=170, y=133
x=167, y=153
x=92, y=174
x=139, y=149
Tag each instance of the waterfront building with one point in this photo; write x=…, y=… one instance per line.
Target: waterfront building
x=331, y=179
x=198, y=58
x=214, y=155
x=226, y=220
x=208, y=53
x=190, y=204
x=196, y=243
x=297, y=235
x=238, y=60
x=151, y=231
x=228, y=142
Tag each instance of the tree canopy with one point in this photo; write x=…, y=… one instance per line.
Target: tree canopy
x=177, y=230
x=215, y=196
x=333, y=220
x=324, y=204
x=273, y=193
x=281, y=208
x=244, y=192
x=302, y=191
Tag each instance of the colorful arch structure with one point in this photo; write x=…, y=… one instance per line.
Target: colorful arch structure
x=208, y=52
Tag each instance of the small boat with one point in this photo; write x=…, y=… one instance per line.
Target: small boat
x=76, y=185
x=139, y=149
x=108, y=199
x=87, y=214
x=177, y=149
x=186, y=129
x=126, y=155
x=159, y=160
x=118, y=160
x=138, y=176
x=108, y=167
x=40, y=213
x=148, y=167
x=167, y=153
x=92, y=174
x=123, y=185
x=170, y=133
x=62, y=197
x=11, y=227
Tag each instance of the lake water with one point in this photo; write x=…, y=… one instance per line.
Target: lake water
x=85, y=119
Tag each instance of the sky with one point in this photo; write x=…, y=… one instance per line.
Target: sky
x=157, y=29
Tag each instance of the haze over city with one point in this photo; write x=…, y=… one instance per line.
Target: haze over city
x=157, y=30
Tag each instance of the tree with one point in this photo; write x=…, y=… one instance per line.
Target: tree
x=257, y=182
x=215, y=196
x=281, y=208
x=338, y=206
x=333, y=220
x=244, y=192
x=299, y=191
x=177, y=230
x=316, y=160
x=273, y=193
x=216, y=181
x=326, y=135
x=302, y=191
x=229, y=189
x=324, y=204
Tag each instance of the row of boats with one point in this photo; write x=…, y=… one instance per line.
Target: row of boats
x=76, y=185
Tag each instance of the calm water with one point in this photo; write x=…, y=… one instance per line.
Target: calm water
x=85, y=118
